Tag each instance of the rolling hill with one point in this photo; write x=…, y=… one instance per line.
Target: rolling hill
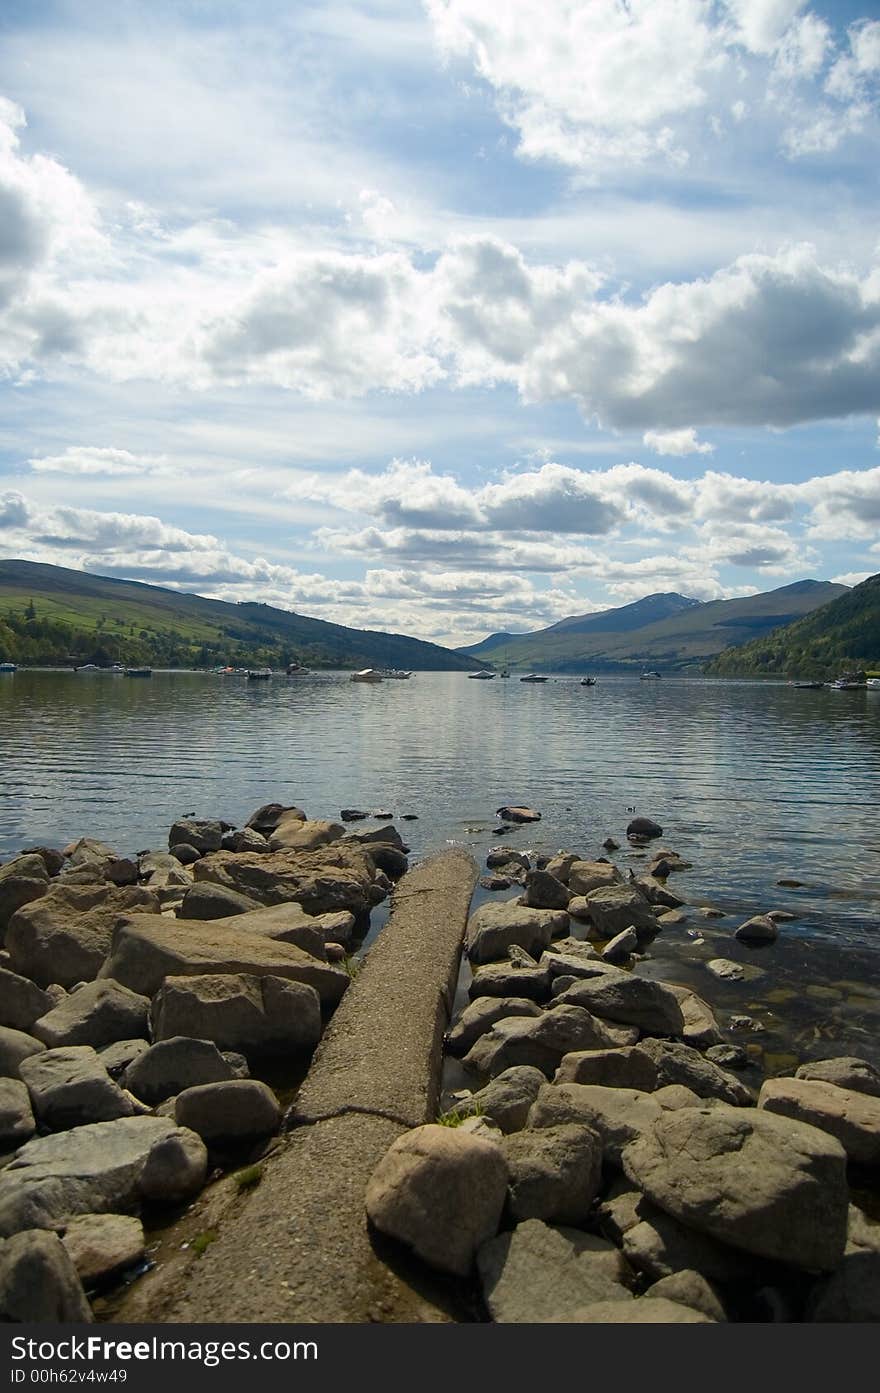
x=49, y=614
x=686, y=636
x=843, y=635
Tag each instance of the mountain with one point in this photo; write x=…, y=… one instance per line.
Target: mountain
x=843, y=635
x=622, y=620
x=692, y=634
x=49, y=614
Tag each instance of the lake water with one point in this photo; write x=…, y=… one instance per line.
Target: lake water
x=753, y=783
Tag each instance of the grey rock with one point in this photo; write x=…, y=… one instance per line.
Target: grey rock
x=240, y=1110
x=728, y=1056
x=17, y=1123
x=65, y=936
x=506, y=1099
x=101, y=1246
x=853, y=1118
x=759, y=929
x=621, y=947
x=554, y=1172
x=69, y=1086
x=481, y=1015
x=207, y=901
x=38, y=1282
x=618, y=1115
x=21, y=1001
x=170, y=1066
x=618, y=907
x=673, y=1096
x=644, y=827
x=505, y=980
x=679, y=1063
x=627, y=1067
x=541, y=1041
x=845, y=1072
x=245, y=839
x=586, y=876
x=257, y=1016
x=340, y=876
x=507, y=855
x=22, y=879
x=175, y=1168
x=629, y=1000
x=656, y=893
x=16, y=1046
x=689, y=1288
x=560, y=865
x=99, y=1013
x=267, y=817
x=544, y=891
x=298, y=834
x=538, y=1273
x=117, y=1057
x=202, y=834
x=658, y=1312
x=440, y=1192
x=700, y=1026
x=494, y=927
x=726, y=970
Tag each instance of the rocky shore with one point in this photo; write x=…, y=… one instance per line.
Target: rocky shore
x=612, y=1159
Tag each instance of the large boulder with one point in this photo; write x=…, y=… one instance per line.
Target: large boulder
x=23, y=879
x=853, y=1118
x=94, y=1169
x=70, y=1087
x=267, y=817
x=700, y=1026
x=17, y=1123
x=481, y=1015
x=441, y=1192
x=240, y=1110
x=554, y=1172
x=618, y=1115
x=148, y=949
x=297, y=834
x=21, y=1001
x=202, y=834
x=508, y=979
x=207, y=901
x=657, y=1245
x=289, y=923
x=65, y=936
x=629, y=1000
x=537, y=1273
x=506, y=1099
x=494, y=928
x=614, y=908
x=541, y=1041
x=845, y=1072
x=39, y=1283
x=15, y=1047
x=101, y=1246
x=656, y=893
x=98, y=1013
x=765, y=1184
x=627, y=1067
x=544, y=891
x=689, y=1288
x=170, y=1066
x=253, y=1015
x=682, y=1064
x=323, y=881
x=584, y=876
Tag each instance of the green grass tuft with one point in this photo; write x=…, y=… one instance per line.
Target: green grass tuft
x=248, y=1179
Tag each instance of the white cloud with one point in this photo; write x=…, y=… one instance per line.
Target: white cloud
x=677, y=442
x=98, y=460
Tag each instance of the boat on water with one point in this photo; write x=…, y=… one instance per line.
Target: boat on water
x=367, y=674
x=87, y=667
x=873, y=684
x=138, y=672
x=846, y=684
x=533, y=677
x=297, y=670
x=808, y=686
x=259, y=674
x=396, y=673
x=649, y=676
x=484, y=676
x=8, y=667
x=588, y=681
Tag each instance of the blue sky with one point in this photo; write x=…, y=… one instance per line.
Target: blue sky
x=443, y=317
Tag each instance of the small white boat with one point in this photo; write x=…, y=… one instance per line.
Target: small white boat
x=297, y=670
x=259, y=674
x=649, y=676
x=484, y=676
x=398, y=674
x=138, y=672
x=533, y=677
x=588, y=681
x=8, y=667
x=845, y=684
x=367, y=674
x=873, y=684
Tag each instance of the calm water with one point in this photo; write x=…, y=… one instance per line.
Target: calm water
x=752, y=783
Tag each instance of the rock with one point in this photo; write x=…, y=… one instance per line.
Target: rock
x=629, y=1000
x=17, y=1123
x=146, y=949
x=441, y=1193
x=243, y=1109
x=504, y=856
x=769, y=1185
x=267, y=818
x=726, y=970
x=618, y=1115
x=481, y=1015
x=175, y=1168
x=353, y=815
x=544, y=891
x=16, y=1046
x=257, y=1015
x=65, y=936
x=586, y=876
x=853, y=1118
x=185, y=854
x=520, y=958
x=388, y=859
x=700, y=1026
x=689, y=1288
x=478, y=1126
x=51, y=858
x=673, y=1096
x=659, y=1246
x=288, y=923
x=244, y=839
x=70, y=1087
x=505, y=980
x=658, y=1312
x=102, y=1246
x=207, y=901
x=99, y=1013
x=517, y=814
x=760, y=929
x=618, y=907
x=22, y=879
x=644, y=827
x=656, y=893
x=728, y=1056
x=38, y=1282
x=621, y=947
x=506, y=1099
x=203, y=834
x=670, y=917
x=91, y=1169
x=494, y=927
x=851, y=1294
x=339, y=876
x=172, y=1065
x=117, y=1057
x=610, y=844
x=495, y=882
x=845, y=1072
x=381, y=836
x=628, y=1067
x=538, y=1273
x=554, y=1173
x=295, y=834
x=584, y=963
x=21, y=1001
x=122, y=871
x=540, y=1042
x=560, y=865
x=678, y=1063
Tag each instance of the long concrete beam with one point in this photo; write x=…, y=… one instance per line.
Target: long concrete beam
x=297, y=1248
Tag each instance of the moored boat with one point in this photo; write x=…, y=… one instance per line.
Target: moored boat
x=873, y=684
x=138, y=672
x=259, y=674
x=297, y=670
x=484, y=676
x=8, y=667
x=533, y=677
x=808, y=686
x=367, y=674
x=649, y=676
x=588, y=681
x=396, y=673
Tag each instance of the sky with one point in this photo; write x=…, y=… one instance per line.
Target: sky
x=441, y=316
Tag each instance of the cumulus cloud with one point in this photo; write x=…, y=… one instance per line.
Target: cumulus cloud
x=97, y=460
x=677, y=442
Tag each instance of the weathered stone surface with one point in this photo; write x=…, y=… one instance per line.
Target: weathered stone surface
x=673, y=1096
x=584, y=876
x=505, y=856
x=245, y=839
x=644, y=827
x=506, y=979
x=700, y=1026
x=174, y=1064
x=539, y=1273
x=38, y=1282
x=207, y=901
x=93, y=1169
x=658, y=1312
x=496, y=927
x=99, y=1013
x=481, y=1015
x=242, y=1109
x=617, y=907
x=255, y=1015
x=203, y=834
x=517, y=813
x=656, y=893
x=297, y=834
x=618, y=1115
x=629, y=1000
x=101, y=1246
x=679, y=1063
x=16, y=1046
x=850, y=1294
x=726, y=970
x=621, y=947
x=659, y=1246
x=70, y=1086
x=441, y=1193
x=554, y=1172
x=845, y=1072
x=769, y=1185
x=853, y=1118
x=728, y=1056
x=584, y=963
x=21, y=1001
x=267, y=817
x=335, y=877
x=540, y=1041
x=506, y=1099
x=560, y=865
x=148, y=949
x=689, y=1288
x=65, y=936
x=22, y=879
x=175, y=1168
x=759, y=929
x=117, y=1057
x=627, y=1067
x=17, y=1123
x=544, y=891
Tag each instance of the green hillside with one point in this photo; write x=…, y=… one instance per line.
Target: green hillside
x=686, y=639
x=841, y=636
x=49, y=615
